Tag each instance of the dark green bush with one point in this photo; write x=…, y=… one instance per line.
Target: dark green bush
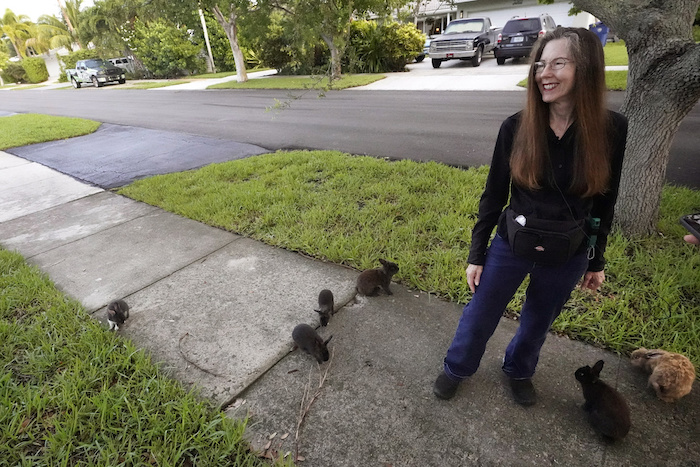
x=376, y=48
x=69, y=61
x=36, y=69
x=14, y=73
x=166, y=50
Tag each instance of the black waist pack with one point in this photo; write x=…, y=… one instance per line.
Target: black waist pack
x=551, y=243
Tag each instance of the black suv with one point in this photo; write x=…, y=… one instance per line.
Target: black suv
x=519, y=35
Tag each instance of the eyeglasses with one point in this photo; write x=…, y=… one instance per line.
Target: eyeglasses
x=556, y=64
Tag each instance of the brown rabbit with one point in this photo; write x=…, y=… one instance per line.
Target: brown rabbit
x=672, y=374
x=369, y=282
x=325, y=305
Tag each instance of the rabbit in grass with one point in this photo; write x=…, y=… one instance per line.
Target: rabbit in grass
x=608, y=412
x=370, y=281
x=308, y=340
x=117, y=313
x=672, y=374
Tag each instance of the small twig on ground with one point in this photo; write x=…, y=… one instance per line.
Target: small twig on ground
x=304, y=408
x=179, y=347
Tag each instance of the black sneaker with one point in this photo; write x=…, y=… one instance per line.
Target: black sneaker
x=445, y=387
x=523, y=391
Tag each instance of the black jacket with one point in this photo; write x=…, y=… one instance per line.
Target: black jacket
x=547, y=202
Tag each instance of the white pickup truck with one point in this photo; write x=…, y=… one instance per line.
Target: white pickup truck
x=96, y=71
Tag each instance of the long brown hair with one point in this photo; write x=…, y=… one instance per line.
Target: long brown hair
x=529, y=158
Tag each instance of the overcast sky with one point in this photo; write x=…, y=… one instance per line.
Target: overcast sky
x=36, y=8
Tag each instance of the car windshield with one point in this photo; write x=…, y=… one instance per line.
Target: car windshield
x=464, y=26
x=97, y=63
x=521, y=25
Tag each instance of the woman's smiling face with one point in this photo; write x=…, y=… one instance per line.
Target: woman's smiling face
x=556, y=86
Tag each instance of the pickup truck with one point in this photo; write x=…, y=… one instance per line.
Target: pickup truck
x=464, y=39
x=95, y=71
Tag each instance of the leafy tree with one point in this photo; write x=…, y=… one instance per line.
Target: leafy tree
x=18, y=30
x=165, y=49
x=663, y=85
x=35, y=67
x=49, y=33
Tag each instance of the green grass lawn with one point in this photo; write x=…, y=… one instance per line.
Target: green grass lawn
x=73, y=393
x=301, y=82
x=354, y=210
x=615, y=53
x=24, y=129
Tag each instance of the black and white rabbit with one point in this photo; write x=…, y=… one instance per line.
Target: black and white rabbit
x=117, y=313
x=607, y=410
x=308, y=340
x=325, y=305
x=370, y=281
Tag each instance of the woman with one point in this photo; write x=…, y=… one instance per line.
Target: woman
x=560, y=160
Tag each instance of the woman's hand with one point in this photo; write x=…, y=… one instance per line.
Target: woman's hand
x=592, y=280
x=474, y=276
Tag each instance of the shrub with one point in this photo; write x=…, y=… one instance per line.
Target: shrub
x=165, y=49
x=36, y=69
x=376, y=48
x=14, y=73
x=69, y=61
x=696, y=33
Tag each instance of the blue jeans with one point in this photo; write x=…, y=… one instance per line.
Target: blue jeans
x=550, y=287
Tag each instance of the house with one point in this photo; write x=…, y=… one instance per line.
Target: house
x=431, y=16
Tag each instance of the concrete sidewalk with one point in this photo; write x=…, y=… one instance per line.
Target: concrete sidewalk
x=218, y=310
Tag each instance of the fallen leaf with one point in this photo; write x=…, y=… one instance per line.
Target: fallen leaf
x=24, y=425
x=267, y=446
x=284, y=436
x=301, y=458
x=272, y=435
x=287, y=453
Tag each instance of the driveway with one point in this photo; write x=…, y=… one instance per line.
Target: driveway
x=455, y=75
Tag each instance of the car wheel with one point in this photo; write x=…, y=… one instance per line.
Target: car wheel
x=437, y=62
x=122, y=81
x=476, y=59
x=501, y=60
x=75, y=83
x=420, y=58
x=96, y=83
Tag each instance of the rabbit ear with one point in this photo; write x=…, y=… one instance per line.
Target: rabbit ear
x=597, y=367
x=653, y=354
x=317, y=311
x=383, y=261
x=328, y=340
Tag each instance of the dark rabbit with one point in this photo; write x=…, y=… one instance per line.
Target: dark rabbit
x=308, y=340
x=608, y=411
x=369, y=282
x=325, y=305
x=117, y=313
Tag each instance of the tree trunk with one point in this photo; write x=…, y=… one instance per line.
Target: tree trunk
x=663, y=85
x=231, y=29
x=336, y=65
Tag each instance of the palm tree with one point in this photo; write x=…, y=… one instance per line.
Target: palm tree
x=18, y=29
x=49, y=33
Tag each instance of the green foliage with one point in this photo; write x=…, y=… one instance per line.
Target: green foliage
x=696, y=33
x=166, y=50
x=386, y=47
x=36, y=69
x=69, y=61
x=14, y=72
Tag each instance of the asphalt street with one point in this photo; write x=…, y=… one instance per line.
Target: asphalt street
x=454, y=126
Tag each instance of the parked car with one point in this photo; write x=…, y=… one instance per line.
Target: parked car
x=426, y=50
x=96, y=71
x=464, y=39
x=520, y=34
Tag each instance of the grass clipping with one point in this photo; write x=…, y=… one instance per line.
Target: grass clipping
x=354, y=210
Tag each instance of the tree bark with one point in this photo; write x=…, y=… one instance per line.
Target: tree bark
x=336, y=65
x=663, y=85
x=231, y=29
